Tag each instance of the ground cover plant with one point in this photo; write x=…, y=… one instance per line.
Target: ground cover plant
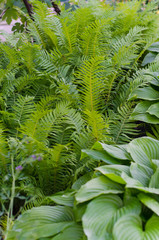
x=67, y=83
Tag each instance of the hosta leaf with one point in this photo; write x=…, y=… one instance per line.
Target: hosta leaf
x=154, y=109
x=65, y=198
x=103, y=212
x=149, y=58
x=115, y=151
x=100, y=155
x=133, y=183
x=82, y=180
x=154, y=47
x=41, y=222
x=141, y=173
x=154, y=181
x=114, y=172
x=145, y=117
x=141, y=113
x=149, y=202
x=129, y=227
x=147, y=93
x=97, y=186
x=74, y=232
x=143, y=150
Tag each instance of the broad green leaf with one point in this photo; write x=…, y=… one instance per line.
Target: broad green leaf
x=114, y=172
x=143, y=150
x=155, y=162
x=140, y=113
x=82, y=180
x=154, y=109
x=142, y=173
x=115, y=151
x=100, y=155
x=147, y=93
x=103, y=212
x=149, y=202
x=79, y=210
x=74, y=232
x=44, y=221
x=142, y=107
x=65, y=198
x=129, y=227
x=149, y=58
x=97, y=186
x=133, y=183
x=154, y=181
x=145, y=117
x=154, y=47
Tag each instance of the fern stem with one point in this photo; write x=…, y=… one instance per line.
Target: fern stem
x=110, y=87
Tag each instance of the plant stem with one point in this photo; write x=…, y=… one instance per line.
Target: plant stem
x=10, y=212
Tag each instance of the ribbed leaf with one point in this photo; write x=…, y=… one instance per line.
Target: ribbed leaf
x=103, y=212
x=97, y=186
x=99, y=155
x=149, y=58
x=65, y=198
x=141, y=113
x=143, y=150
x=149, y=202
x=115, y=151
x=114, y=172
x=74, y=232
x=153, y=109
x=130, y=227
x=141, y=173
x=154, y=47
x=41, y=222
x=154, y=181
x=147, y=93
x=133, y=183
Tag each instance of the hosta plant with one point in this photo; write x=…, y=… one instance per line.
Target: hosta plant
x=113, y=198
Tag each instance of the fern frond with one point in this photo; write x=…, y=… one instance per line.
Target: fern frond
x=98, y=126
x=90, y=78
x=122, y=129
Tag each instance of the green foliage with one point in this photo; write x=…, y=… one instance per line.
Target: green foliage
x=65, y=84
x=106, y=203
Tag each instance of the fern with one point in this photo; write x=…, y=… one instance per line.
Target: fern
x=89, y=77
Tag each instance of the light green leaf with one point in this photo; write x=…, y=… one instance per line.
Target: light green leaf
x=74, y=232
x=65, y=198
x=154, y=181
x=115, y=151
x=97, y=186
x=103, y=212
x=129, y=227
x=149, y=202
x=99, y=155
x=149, y=58
x=82, y=180
x=154, y=47
x=44, y=221
x=114, y=172
x=133, y=183
x=154, y=109
x=141, y=113
x=143, y=150
x=147, y=93
x=141, y=173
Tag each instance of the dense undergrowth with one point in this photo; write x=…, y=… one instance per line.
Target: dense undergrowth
x=70, y=102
